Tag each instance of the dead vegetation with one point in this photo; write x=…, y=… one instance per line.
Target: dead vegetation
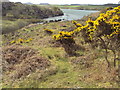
x=21, y=61
x=96, y=71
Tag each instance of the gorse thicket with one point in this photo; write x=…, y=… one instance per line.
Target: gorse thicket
x=104, y=32
x=107, y=25
x=20, y=41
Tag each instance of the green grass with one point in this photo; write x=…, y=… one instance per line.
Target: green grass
x=12, y=25
x=65, y=77
x=67, y=6
x=84, y=7
x=62, y=74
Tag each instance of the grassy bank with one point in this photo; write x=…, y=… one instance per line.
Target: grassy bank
x=15, y=24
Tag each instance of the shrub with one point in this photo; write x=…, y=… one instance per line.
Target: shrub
x=67, y=41
x=48, y=31
x=105, y=29
x=103, y=32
x=20, y=40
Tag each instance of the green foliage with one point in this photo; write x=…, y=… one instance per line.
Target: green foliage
x=15, y=24
x=22, y=11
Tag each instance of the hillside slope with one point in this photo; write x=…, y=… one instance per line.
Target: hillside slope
x=23, y=11
x=33, y=59
x=18, y=15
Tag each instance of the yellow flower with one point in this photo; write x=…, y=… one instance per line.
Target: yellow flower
x=66, y=37
x=20, y=40
x=118, y=8
x=77, y=24
x=49, y=30
x=28, y=40
x=13, y=41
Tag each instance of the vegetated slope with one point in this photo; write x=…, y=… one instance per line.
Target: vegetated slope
x=86, y=69
x=19, y=10
x=18, y=15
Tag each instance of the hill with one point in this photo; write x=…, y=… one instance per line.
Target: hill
x=29, y=3
x=67, y=54
x=23, y=11
x=17, y=15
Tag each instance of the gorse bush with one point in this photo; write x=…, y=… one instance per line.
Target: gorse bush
x=67, y=41
x=48, y=31
x=63, y=35
x=20, y=41
x=106, y=30
x=103, y=32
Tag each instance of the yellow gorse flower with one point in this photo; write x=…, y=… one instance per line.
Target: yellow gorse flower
x=20, y=40
x=13, y=41
x=109, y=19
x=77, y=24
x=49, y=30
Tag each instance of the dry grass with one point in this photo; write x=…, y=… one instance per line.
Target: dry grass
x=96, y=71
x=21, y=61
